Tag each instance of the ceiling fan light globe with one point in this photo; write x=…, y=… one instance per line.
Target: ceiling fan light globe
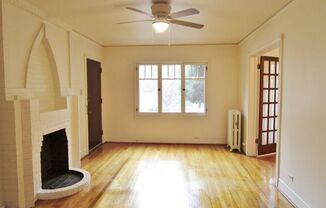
x=160, y=27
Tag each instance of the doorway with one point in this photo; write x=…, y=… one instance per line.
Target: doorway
x=272, y=49
x=268, y=104
x=94, y=104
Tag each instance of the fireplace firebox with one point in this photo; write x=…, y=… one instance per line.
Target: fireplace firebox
x=55, y=171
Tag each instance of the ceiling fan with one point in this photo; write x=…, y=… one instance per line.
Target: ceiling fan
x=162, y=17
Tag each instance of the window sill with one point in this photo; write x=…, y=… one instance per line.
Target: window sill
x=171, y=115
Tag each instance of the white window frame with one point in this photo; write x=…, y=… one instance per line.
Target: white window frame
x=183, y=94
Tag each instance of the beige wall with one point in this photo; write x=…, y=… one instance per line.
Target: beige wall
x=119, y=121
x=303, y=119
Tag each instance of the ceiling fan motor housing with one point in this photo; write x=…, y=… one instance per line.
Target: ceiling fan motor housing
x=161, y=9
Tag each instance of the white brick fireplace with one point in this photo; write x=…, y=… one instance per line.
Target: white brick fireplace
x=42, y=90
x=46, y=107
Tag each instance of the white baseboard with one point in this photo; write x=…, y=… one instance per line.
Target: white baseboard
x=293, y=197
x=167, y=140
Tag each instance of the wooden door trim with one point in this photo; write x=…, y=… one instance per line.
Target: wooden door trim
x=268, y=148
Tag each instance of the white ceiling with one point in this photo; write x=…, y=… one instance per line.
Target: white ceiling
x=226, y=21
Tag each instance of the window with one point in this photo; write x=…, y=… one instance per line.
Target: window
x=171, y=89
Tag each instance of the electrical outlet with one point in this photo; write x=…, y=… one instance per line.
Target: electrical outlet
x=291, y=177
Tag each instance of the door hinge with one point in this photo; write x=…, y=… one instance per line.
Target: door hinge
x=101, y=69
x=102, y=131
x=258, y=66
x=136, y=68
x=206, y=68
x=257, y=141
x=136, y=109
x=101, y=100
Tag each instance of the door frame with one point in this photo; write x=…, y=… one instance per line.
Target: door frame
x=253, y=114
x=83, y=126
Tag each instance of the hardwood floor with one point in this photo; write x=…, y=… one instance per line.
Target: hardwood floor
x=174, y=176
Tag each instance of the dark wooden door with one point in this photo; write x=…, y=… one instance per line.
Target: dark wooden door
x=268, y=105
x=94, y=105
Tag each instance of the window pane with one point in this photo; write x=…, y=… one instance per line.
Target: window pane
x=195, y=96
x=148, y=72
x=171, y=71
x=141, y=72
x=154, y=71
x=148, y=96
x=188, y=71
x=195, y=71
x=178, y=71
x=165, y=71
x=200, y=71
x=171, y=96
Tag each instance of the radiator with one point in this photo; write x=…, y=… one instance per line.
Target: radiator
x=234, y=130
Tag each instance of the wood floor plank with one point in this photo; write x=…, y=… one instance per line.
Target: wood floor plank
x=174, y=176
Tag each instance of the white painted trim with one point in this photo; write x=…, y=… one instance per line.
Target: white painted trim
x=167, y=140
x=253, y=97
x=290, y=194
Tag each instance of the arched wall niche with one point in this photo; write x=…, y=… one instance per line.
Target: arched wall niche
x=42, y=77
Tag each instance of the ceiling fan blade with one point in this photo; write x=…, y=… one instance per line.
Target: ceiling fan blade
x=139, y=11
x=128, y=22
x=187, y=24
x=184, y=13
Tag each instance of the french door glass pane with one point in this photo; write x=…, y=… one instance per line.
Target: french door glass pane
x=264, y=127
x=271, y=96
x=272, y=82
x=266, y=67
x=266, y=81
x=148, y=96
x=272, y=68
x=195, y=96
x=264, y=139
x=271, y=124
x=171, y=96
x=265, y=110
x=265, y=98
x=271, y=109
x=270, y=137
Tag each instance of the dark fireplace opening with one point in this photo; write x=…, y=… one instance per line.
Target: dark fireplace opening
x=55, y=171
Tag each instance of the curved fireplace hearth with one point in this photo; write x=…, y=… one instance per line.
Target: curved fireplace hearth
x=58, y=180
x=63, y=179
